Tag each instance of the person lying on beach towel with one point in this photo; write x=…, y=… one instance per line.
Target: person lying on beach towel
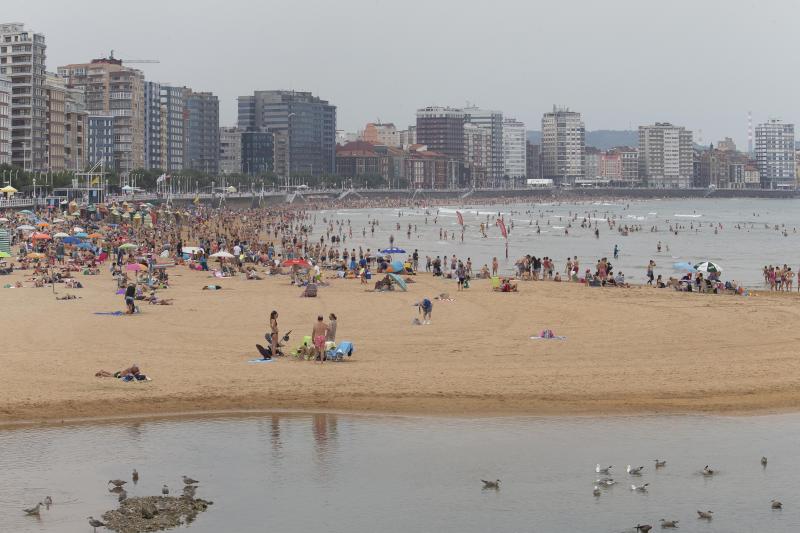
x=67, y=297
x=129, y=374
x=547, y=334
x=212, y=288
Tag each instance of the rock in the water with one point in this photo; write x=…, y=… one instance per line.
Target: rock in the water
x=153, y=513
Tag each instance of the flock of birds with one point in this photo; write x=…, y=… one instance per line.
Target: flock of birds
x=607, y=481
x=189, y=489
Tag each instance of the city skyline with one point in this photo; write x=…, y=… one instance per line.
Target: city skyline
x=707, y=76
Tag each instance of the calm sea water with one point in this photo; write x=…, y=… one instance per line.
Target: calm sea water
x=359, y=474
x=741, y=252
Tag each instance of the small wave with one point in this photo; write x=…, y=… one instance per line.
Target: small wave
x=686, y=216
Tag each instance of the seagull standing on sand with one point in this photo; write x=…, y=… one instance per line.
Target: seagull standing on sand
x=708, y=471
x=764, y=461
x=491, y=484
x=95, y=523
x=164, y=489
x=706, y=515
x=116, y=482
x=596, y=491
x=635, y=471
x=33, y=511
x=669, y=523
x=606, y=470
x=189, y=481
x=640, y=488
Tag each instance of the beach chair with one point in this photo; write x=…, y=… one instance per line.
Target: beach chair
x=495, y=283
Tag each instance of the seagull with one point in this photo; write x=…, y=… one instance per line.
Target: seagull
x=707, y=471
x=491, y=484
x=644, y=528
x=135, y=476
x=33, y=511
x=95, y=523
x=48, y=501
x=116, y=482
x=164, y=490
x=122, y=496
x=116, y=490
x=669, y=523
x=636, y=471
x=776, y=504
x=705, y=514
x=763, y=461
x=189, y=481
x=189, y=491
x=606, y=482
x=596, y=491
x=640, y=488
x=660, y=464
x=606, y=470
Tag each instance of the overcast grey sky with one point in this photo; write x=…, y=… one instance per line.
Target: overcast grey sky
x=698, y=63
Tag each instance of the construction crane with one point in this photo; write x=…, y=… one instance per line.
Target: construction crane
x=111, y=56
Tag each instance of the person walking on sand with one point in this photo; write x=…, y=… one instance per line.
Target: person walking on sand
x=319, y=334
x=332, y=324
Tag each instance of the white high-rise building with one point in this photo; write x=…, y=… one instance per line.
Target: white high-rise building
x=491, y=121
x=477, y=155
x=665, y=156
x=775, y=154
x=563, y=149
x=5, y=120
x=230, y=150
x=514, y=151
x=22, y=55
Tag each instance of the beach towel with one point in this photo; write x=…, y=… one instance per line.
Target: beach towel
x=255, y=361
x=555, y=337
x=112, y=313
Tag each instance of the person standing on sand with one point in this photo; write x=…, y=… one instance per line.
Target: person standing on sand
x=332, y=327
x=273, y=327
x=318, y=334
x=495, y=266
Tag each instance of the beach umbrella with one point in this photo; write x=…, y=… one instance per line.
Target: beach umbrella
x=400, y=282
x=77, y=229
x=82, y=235
x=708, y=267
x=296, y=262
x=26, y=227
x=134, y=267
x=222, y=255
x=40, y=236
x=393, y=251
x=127, y=246
x=61, y=235
x=8, y=189
x=396, y=266
x=24, y=211
x=86, y=246
x=95, y=236
x=191, y=250
x=35, y=255
x=58, y=220
x=70, y=240
x=42, y=224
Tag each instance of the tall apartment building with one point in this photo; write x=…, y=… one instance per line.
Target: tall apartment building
x=55, y=100
x=407, y=137
x=100, y=140
x=477, y=156
x=610, y=166
x=258, y=152
x=533, y=162
x=173, y=124
x=153, y=134
x=303, y=125
x=514, y=151
x=775, y=154
x=492, y=121
x=116, y=90
x=591, y=165
x=201, y=132
x=5, y=120
x=630, y=165
x=665, y=156
x=230, y=150
x=76, y=130
x=563, y=146
x=22, y=56
x=441, y=130
x=382, y=134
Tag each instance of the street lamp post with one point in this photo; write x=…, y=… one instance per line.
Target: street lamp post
x=289, y=149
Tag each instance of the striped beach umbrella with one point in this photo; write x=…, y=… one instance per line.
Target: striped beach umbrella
x=707, y=267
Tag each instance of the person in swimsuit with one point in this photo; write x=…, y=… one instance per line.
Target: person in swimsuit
x=273, y=326
x=319, y=334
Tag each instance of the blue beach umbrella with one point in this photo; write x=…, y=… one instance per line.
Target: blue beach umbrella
x=400, y=282
x=393, y=251
x=71, y=240
x=85, y=246
x=82, y=235
x=683, y=265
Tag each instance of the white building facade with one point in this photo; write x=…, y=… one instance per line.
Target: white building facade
x=775, y=154
x=563, y=149
x=230, y=151
x=5, y=120
x=514, y=152
x=665, y=156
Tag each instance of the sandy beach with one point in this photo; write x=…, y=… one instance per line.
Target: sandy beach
x=627, y=351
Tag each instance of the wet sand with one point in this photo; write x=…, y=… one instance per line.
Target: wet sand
x=627, y=351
